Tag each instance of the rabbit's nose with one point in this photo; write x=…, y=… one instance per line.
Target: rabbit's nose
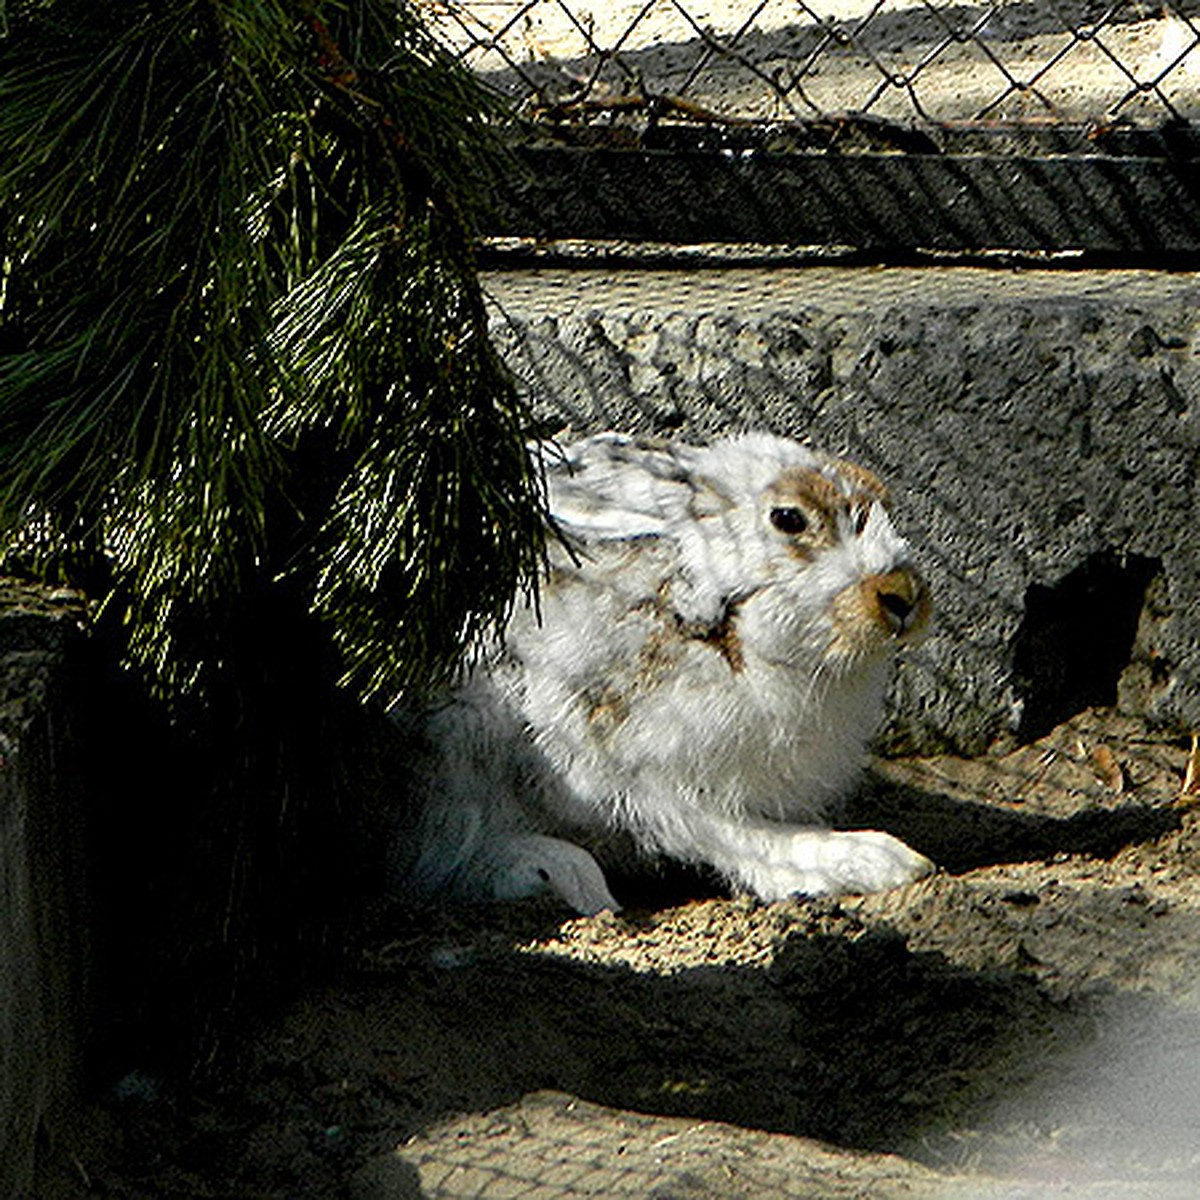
x=899, y=599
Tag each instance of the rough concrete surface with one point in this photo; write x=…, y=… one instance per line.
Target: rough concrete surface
x=40, y=936
x=1038, y=429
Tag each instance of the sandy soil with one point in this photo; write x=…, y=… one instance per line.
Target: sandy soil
x=1024, y=1023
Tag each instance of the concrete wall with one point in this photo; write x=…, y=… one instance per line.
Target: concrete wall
x=1038, y=430
x=42, y=939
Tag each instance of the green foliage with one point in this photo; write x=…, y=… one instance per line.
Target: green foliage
x=247, y=400
x=242, y=346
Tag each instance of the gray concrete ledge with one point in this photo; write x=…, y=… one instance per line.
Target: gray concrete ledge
x=42, y=938
x=1038, y=429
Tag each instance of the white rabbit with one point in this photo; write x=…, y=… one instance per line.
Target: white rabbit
x=708, y=663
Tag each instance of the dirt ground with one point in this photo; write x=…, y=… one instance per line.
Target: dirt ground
x=1023, y=1023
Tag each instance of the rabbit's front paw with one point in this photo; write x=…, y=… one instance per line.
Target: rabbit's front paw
x=870, y=861
x=824, y=863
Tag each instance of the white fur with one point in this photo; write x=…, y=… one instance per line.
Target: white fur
x=681, y=686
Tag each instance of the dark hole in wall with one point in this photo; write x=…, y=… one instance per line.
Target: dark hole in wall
x=1076, y=639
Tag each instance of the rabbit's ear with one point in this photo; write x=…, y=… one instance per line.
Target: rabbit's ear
x=612, y=486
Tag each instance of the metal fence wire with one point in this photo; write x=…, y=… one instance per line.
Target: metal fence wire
x=744, y=61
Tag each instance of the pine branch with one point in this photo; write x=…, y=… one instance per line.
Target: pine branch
x=240, y=335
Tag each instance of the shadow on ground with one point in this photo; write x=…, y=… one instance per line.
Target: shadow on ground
x=845, y=1036
x=963, y=834
x=882, y=1024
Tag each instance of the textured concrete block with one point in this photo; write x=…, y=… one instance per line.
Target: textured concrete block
x=42, y=940
x=1039, y=432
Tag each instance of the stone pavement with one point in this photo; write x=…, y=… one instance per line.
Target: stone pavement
x=551, y=1146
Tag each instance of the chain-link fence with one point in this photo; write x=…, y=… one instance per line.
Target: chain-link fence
x=879, y=125
x=737, y=60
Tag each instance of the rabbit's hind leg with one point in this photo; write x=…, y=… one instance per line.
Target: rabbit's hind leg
x=525, y=864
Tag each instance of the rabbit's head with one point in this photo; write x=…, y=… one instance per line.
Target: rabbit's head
x=802, y=548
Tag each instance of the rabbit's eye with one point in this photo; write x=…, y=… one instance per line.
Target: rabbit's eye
x=789, y=520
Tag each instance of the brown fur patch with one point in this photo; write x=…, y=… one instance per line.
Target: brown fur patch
x=725, y=640
x=811, y=491
x=657, y=657
x=825, y=501
x=722, y=637
x=862, y=481
x=605, y=708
